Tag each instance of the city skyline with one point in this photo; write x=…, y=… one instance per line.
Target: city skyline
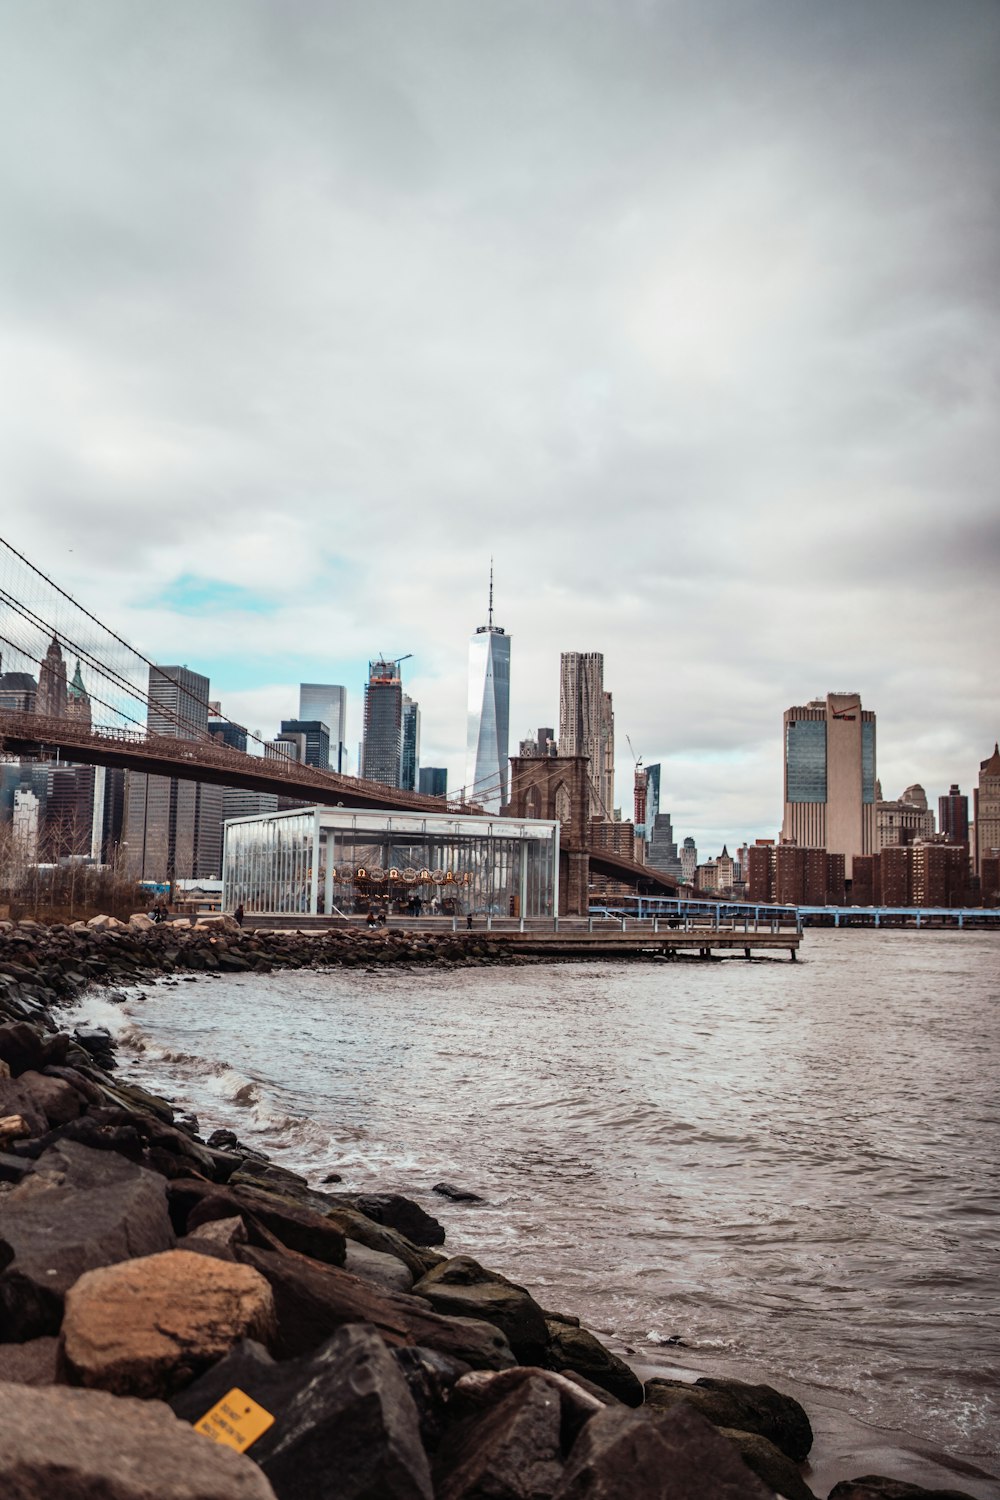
x=686, y=315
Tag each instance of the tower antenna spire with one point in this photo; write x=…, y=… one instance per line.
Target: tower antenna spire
x=491, y=591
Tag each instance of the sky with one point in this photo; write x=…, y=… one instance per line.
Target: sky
x=685, y=312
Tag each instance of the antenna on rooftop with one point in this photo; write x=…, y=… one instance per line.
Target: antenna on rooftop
x=491, y=591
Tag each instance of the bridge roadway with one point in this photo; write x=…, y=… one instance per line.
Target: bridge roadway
x=211, y=761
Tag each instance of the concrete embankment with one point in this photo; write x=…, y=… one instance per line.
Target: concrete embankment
x=310, y=1343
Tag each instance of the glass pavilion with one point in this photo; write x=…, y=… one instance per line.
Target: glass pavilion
x=345, y=860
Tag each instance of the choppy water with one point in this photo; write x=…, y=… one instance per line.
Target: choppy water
x=795, y=1165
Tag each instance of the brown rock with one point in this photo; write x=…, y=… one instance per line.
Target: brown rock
x=147, y=1327
x=313, y=1301
x=577, y=1349
x=61, y=1444
x=54, y=1098
x=770, y=1464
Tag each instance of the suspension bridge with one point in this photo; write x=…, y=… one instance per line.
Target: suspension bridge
x=126, y=725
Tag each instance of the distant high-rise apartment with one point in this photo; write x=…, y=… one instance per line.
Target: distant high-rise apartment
x=327, y=701
x=173, y=828
x=830, y=777
x=432, y=781
x=487, y=767
x=586, y=722
x=383, y=737
x=409, y=755
x=689, y=861
x=652, y=798
x=987, y=808
x=953, y=815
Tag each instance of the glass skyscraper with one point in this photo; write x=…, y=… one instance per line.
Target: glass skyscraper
x=327, y=701
x=487, y=764
x=382, y=746
x=830, y=777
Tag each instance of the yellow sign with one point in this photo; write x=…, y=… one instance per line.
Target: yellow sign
x=236, y=1420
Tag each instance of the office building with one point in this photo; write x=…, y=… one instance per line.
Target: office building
x=409, y=755
x=327, y=701
x=224, y=730
x=986, y=797
x=953, y=815
x=931, y=873
x=689, y=861
x=487, y=746
x=543, y=743
x=904, y=821
x=586, y=721
x=432, y=781
x=830, y=777
x=18, y=691
x=661, y=850
x=173, y=828
x=309, y=739
x=51, y=698
x=382, y=745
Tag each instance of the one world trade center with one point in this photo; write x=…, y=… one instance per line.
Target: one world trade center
x=487, y=766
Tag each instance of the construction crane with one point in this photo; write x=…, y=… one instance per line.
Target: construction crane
x=636, y=758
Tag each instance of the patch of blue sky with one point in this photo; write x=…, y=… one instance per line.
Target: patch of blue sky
x=191, y=595
x=238, y=673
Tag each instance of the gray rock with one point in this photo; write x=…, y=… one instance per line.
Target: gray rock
x=87, y=1445
x=79, y=1209
x=678, y=1455
x=33, y=1363
x=747, y=1408
x=403, y=1215
x=381, y=1270
x=510, y=1451
x=461, y=1287
x=345, y=1422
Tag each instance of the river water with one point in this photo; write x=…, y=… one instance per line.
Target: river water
x=794, y=1167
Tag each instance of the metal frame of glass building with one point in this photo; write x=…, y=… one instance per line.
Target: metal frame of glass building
x=340, y=859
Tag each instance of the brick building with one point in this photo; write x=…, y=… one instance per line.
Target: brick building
x=933, y=873
x=793, y=876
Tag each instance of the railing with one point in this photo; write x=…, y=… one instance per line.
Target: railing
x=664, y=912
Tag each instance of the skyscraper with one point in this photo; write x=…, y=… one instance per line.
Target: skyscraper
x=830, y=777
x=487, y=763
x=51, y=697
x=652, y=797
x=586, y=722
x=953, y=815
x=409, y=755
x=383, y=738
x=987, y=805
x=327, y=701
x=173, y=828
x=432, y=781
x=310, y=741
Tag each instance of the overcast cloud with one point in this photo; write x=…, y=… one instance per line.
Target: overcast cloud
x=685, y=310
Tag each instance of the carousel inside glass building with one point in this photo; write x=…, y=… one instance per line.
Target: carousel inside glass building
x=340, y=861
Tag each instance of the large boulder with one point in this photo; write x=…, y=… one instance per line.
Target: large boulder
x=622, y=1454
x=77, y=1210
x=312, y=1301
x=577, y=1349
x=381, y=1270
x=461, y=1287
x=147, y=1327
x=509, y=1451
x=345, y=1422
x=86, y=1445
x=736, y=1404
x=54, y=1100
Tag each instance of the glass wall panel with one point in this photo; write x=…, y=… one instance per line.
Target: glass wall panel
x=805, y=760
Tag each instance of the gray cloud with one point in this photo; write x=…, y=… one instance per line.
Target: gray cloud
x=685, y=312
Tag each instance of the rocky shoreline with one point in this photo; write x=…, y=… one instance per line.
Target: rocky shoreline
x=153, y=1283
